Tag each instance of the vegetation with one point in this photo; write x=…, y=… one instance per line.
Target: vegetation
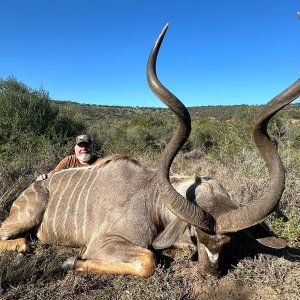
x=32, y=128
x=36, y=132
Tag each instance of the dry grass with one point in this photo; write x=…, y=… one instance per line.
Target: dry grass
x=247, y=275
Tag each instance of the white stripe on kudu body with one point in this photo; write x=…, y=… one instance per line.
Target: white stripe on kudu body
x=45, y=233
x=87, y=198
x=78, y=214
x=69, y=203
x=59, y=206
x=65, y=220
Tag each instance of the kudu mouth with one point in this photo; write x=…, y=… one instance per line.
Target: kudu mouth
x=242, y=217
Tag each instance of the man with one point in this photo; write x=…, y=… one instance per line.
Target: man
x=84, y=156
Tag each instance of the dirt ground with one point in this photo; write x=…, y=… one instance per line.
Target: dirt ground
x=228, y=289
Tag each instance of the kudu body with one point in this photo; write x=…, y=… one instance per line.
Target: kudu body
x=119, y=210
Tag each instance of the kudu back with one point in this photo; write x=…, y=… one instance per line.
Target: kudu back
x=119, y=210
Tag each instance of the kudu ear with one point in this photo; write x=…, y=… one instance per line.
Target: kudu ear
x=263, y=235
x=170, y=235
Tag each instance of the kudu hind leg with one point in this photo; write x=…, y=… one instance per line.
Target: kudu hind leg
x=117, y=258
x=26, y=212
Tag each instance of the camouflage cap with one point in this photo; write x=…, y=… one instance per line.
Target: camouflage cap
x=84, y=138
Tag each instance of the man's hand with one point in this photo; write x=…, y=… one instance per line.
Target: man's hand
x=44, y=176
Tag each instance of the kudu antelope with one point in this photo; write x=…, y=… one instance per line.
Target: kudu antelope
x=119, y=210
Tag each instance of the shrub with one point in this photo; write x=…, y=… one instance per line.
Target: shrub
x=33, y=133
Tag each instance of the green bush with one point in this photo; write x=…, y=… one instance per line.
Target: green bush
x=288, y=228
x=34, y=134
x=136, y=135
x=25, y=110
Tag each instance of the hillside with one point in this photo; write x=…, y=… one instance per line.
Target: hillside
x=221, y=112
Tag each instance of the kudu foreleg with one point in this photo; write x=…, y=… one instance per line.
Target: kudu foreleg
x=116, y=258
x=140, y=266
x=21, y=245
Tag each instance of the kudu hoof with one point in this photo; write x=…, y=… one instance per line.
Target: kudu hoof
x=69, y=263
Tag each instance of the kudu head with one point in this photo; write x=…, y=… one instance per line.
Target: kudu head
x=215, y=226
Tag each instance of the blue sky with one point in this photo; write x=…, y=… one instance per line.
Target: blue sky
x=215, y=52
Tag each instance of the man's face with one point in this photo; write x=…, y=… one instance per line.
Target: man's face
x=84, y=152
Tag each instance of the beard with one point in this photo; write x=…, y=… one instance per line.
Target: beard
x=84, y=157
